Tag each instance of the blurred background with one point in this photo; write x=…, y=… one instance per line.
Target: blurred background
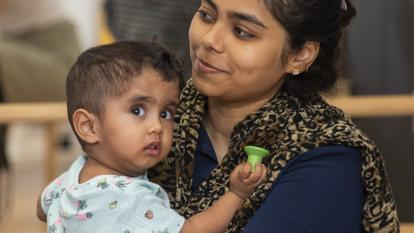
x=40, y=39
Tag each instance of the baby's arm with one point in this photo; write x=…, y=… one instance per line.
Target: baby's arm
x=42, y=208
x=218, y=216
x=40, y=213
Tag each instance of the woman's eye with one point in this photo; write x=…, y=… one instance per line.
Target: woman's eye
x=166, y=115
x=205, y=16
x=138, y=110
x=242, y=34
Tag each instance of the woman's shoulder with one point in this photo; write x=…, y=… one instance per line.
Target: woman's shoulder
x=319, y=123
x=344, y=160
x=331, y=151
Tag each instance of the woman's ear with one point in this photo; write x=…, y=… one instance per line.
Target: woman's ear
x=86, y=126
x=300, y=62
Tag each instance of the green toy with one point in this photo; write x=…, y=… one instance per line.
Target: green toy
x=255, y=155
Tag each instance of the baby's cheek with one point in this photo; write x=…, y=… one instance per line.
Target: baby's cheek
x=167, y=142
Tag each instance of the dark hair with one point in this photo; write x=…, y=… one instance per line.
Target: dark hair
x=313, y=20
x=107, y=70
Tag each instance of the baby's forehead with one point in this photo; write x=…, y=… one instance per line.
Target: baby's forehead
x=152, y=84
x=166, y=74
x=158, y=75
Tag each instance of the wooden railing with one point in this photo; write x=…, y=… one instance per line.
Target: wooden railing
x=33, y=112
x=355, y=106
x=47, y=114
x=375, y=106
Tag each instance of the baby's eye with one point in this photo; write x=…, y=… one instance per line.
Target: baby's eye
x=166, y=115
x=138, y=110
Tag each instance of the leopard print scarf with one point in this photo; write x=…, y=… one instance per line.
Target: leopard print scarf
x=287, y=127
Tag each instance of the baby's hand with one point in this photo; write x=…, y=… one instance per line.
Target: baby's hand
x=243, y=182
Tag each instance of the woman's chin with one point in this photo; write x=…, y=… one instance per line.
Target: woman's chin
x=204, y=87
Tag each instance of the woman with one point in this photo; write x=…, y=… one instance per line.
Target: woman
x=258, y=67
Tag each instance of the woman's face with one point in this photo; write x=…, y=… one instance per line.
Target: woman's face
x=236, y=48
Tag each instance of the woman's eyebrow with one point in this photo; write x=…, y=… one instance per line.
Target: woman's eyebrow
x=211, y=3
x=239, y=15
x=246, y=17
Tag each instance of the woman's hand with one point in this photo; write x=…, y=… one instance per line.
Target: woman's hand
x=243, y=182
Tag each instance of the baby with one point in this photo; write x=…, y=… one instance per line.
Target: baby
x=121, y=101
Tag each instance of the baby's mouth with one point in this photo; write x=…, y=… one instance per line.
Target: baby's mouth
x=153, y=148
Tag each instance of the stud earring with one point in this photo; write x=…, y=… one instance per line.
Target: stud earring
x=296, y=72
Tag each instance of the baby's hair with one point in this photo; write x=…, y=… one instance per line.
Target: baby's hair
x=106, y=71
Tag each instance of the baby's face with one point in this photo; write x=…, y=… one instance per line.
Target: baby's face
x=137, y=126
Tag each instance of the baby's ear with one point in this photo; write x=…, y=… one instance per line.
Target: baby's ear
x=86, y=125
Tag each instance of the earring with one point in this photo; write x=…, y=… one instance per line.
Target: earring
x=296, y=72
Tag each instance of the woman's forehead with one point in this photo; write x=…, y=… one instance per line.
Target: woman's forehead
x=258, y=6
x=254, y=11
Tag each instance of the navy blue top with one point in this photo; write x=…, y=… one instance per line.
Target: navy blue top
x=320, y=191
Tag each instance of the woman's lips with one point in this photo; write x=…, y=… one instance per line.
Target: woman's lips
x=207, y=68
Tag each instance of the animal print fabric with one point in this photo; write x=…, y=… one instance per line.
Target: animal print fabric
x=287, y=127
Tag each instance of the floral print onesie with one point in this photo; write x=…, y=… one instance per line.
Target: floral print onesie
x=107, y=203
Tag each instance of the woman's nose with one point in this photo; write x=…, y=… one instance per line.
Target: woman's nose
x=212, y=39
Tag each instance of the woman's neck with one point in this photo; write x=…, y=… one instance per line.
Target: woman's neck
x=221, y=119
